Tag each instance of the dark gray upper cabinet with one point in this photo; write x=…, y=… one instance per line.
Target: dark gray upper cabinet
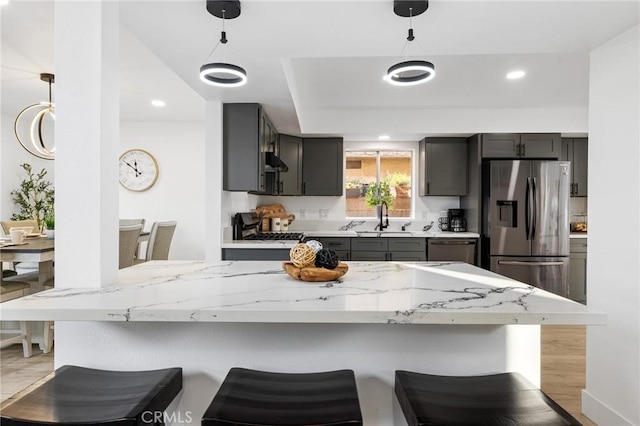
x=500, y=145
x=322, y=163
x=290, y=152
x=244, y=147
x=525, y=145
x=576, y=151
x=443, y=166
x=540, y=145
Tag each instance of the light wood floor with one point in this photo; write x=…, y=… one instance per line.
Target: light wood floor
x=563, y=368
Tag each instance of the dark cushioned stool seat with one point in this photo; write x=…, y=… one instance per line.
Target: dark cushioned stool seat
x=499, y=399
x=77, y=395
x=252, y=398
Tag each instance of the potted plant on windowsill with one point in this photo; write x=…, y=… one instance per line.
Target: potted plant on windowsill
x=49, y=223
x=377, y=193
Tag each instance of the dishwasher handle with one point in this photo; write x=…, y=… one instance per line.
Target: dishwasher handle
x=447, y=243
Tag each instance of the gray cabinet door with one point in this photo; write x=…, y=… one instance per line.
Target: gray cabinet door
x=407, y=256
x=290, y=152
x=242, y=148
x=500, y=145
x=579, y=166
x=254, y=254
x=322, y=162
x=576, y=151
x=334, y=243
x=578, y=271
x=369, y=256
x=369, y=244
x=444, y=166
x=407, y=244
x=540, y=145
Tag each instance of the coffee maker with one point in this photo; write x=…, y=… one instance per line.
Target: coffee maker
x=457, y=221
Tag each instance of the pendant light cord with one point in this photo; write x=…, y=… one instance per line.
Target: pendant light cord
x=223, y=40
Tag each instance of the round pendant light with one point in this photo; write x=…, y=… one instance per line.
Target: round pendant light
x=29, y=126
x=410, y=72
x=222, y=74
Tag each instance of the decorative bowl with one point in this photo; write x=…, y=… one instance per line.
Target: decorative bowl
x=313, y=274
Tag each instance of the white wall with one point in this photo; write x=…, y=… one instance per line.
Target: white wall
x=11, y=174
x=612, y=396
x=179, y=193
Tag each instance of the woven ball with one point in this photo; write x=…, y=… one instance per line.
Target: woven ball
x=327, y=259
x=302, y=255
x=315, y=245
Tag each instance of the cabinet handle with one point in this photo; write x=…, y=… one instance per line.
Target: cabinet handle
x=576, y=189
x=517, y=150
x=281, y=187
x=428, y=189
x=390, y=257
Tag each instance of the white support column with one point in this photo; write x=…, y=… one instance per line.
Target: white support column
x=87, y=127
x=214, y=206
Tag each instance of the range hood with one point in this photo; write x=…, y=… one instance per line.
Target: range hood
x=274, y=163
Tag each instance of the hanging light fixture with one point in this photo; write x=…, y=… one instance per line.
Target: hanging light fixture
x=30, y=132
x=410, y=73
x=222, y=74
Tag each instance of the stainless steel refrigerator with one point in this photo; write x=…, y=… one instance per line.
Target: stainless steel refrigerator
x=526, y=208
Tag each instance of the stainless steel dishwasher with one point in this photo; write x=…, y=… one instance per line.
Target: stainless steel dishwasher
x=452, y=249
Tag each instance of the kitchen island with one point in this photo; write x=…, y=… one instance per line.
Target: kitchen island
x=440, y=318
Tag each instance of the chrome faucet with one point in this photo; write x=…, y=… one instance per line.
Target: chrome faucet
x=384, y=224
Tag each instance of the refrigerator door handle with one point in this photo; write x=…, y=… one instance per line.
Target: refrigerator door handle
x=523, y=263
x=527, y=210
x=534, y=219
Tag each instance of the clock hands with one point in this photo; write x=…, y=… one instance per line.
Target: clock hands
x=134, y=167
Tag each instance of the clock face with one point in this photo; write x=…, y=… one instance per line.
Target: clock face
x=138, y=170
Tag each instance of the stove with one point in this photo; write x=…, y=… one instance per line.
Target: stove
x=276, y=236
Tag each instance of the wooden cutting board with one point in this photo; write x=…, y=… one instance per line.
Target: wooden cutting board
x=313, y=274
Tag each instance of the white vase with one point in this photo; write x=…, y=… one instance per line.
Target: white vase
x=49, y=233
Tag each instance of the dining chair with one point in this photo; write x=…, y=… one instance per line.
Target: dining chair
x=160, y=240
x=129, y=235
x=127, y=222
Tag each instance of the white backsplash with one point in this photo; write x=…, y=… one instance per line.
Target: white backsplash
x=577, y=206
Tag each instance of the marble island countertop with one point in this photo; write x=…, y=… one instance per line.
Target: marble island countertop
x=261, y=292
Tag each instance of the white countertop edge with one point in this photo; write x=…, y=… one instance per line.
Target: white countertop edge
x=262, y=244
x=416, y=318
x=578, y=236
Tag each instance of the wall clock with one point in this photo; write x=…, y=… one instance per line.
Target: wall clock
x=138, y=170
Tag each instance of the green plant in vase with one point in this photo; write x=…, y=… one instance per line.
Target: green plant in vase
x=34, y=197
x=380, y=192
x=49, y=223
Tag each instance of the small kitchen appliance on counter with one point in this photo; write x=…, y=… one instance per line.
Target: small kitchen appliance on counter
x=457, y=221
x=248, y=226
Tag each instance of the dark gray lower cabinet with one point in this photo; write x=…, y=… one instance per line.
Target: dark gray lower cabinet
x=255, y=254
x=342, y=246
x=578, y=270
x=403, y=249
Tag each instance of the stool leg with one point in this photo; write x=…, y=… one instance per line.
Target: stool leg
x=25, y=332
x=47, y=337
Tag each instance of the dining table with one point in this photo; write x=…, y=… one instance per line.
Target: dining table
x=38, y=250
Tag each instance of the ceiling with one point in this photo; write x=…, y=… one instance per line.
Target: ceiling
x=317, y=66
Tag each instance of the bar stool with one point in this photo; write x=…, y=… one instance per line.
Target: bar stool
x=9, y=291
x=258, y=398
x=497, y=399
x=85, y=396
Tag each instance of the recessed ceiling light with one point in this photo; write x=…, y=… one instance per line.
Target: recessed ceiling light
x=158, y=103
x=514, y=75
x=384, y=137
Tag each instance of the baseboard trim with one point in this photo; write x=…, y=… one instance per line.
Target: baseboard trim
x=600, y=413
